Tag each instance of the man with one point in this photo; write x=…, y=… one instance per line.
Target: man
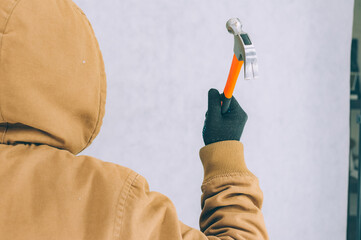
x=52, y=101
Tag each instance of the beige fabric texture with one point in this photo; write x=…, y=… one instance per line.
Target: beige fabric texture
x=52, y=102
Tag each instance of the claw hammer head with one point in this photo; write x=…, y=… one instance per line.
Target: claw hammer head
x=243, y=48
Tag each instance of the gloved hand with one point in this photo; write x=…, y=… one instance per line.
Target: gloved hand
x=221, y=127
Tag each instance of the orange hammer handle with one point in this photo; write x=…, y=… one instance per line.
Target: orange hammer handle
x=231, y=83
x=232, y=77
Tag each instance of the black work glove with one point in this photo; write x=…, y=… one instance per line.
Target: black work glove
x=221, y=127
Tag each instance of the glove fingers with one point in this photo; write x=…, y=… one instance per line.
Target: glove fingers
x=234, y=106
x=214, y=102
x=236, y=109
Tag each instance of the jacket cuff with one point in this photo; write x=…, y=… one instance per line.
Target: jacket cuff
x=223, y=157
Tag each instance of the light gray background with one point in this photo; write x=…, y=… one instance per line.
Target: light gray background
x=161, y=58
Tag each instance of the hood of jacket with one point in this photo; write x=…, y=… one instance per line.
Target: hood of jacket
x=52, y=77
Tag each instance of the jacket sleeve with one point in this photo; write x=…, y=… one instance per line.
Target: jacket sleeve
x=231, y=203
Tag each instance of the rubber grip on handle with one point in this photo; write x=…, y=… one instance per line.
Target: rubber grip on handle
x=225, y=102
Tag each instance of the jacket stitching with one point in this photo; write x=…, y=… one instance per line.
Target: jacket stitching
x=231, y=174
x=120, y=207
x=121, y=203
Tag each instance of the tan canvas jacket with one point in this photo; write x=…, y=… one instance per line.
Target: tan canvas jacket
x=52, y=102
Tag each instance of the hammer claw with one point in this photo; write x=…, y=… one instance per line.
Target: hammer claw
x=255, y=69
x=243, y=48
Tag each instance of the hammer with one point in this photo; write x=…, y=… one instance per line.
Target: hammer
x=244, y=53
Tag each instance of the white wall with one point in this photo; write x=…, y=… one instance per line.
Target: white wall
x=161, y=58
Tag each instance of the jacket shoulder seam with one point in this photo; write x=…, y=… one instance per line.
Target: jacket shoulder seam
x=122, y=199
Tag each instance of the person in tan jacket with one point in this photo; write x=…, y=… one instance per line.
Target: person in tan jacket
x=52, y=102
